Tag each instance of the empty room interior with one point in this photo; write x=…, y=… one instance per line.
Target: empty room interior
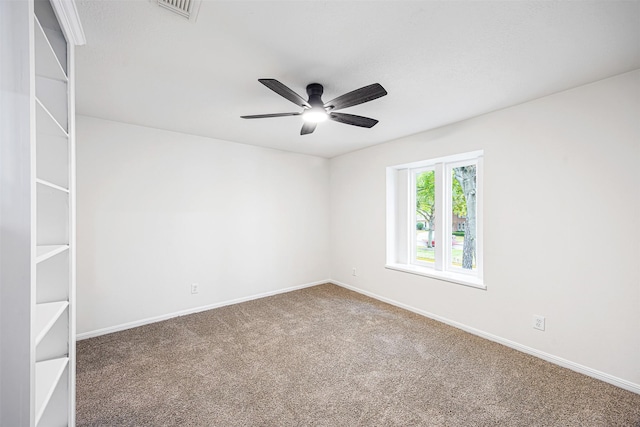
x=327, y=213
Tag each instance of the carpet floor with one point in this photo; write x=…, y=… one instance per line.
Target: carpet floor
x=326, y=356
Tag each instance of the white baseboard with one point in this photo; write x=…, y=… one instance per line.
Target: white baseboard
x=618, y=382
x=134, y=324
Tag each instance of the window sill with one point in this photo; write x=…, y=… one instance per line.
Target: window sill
x=461, y=279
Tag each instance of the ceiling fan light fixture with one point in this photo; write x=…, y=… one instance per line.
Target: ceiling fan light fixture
x=315, y=110
x=315, y=115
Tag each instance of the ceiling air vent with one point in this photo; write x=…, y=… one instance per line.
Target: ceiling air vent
x=186, y=8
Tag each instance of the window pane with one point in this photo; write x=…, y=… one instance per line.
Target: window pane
x=425, y=216
x=463, y=217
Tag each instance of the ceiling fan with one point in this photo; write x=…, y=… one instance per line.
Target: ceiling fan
x=315, y=111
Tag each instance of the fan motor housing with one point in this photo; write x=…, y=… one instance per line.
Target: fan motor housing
x=315, y=90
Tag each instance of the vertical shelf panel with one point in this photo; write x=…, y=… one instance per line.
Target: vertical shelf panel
x=46, y=124
x=56, y=413
x=53, y=96
x=48, y=375
x=52, y=278
x=52, y=159
x=52, y=220
x=59, y=45
x=47, y=63
x=46, y=316
x=55, y=343
x=47, y=18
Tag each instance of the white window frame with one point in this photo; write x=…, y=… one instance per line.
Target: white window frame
x=401, y=219
x=414, y=216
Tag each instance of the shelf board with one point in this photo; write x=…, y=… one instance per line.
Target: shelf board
x=48, y=374
x=44, y=252
x=46, y=316
x=46, y=123
x=47, y=63
x=52, y=185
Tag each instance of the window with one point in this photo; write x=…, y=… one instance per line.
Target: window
x=434, y=218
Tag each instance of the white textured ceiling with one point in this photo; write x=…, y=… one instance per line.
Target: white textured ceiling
x=440, y=61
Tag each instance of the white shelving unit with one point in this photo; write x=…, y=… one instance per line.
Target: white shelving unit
x=53, y=328
x=38, y=224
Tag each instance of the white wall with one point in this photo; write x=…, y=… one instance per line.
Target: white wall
x=562, y=224
x=158, y=210
x=17, y=213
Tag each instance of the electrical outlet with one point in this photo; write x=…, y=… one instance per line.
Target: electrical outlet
x=195, y=288
x=538, y=322
x=353, y=272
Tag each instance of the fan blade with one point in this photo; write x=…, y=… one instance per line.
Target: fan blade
x=308, y=128
x=351, y=119
x=284, y=91
x=358, y=96
x=264, y=116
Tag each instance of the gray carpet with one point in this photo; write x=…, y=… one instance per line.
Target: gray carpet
x=326, y=356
